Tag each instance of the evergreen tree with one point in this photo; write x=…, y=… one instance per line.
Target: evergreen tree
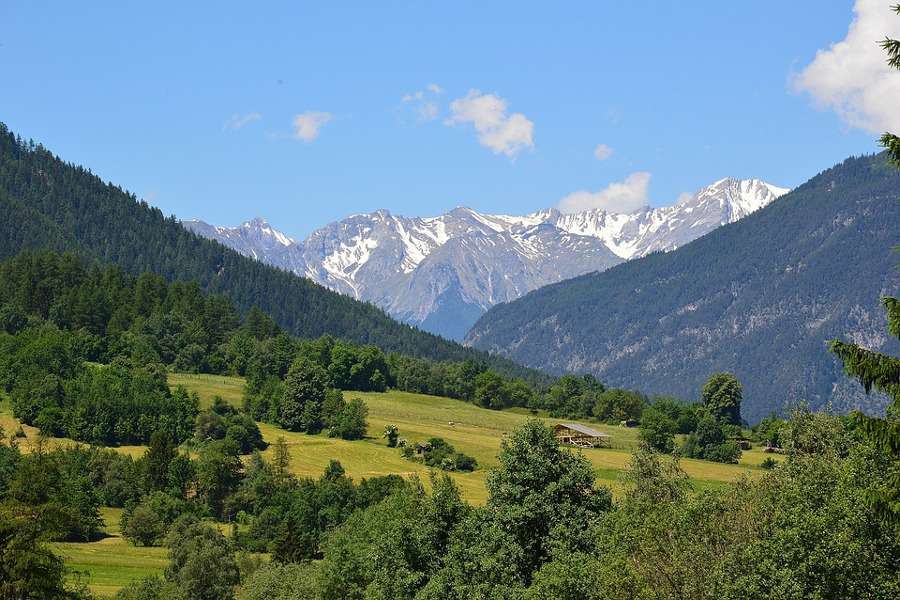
x=880, y=371
x=281, y=460
x=158, y=456
x=892, y=48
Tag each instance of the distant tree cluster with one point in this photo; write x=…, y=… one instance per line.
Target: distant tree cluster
x=440, y=454
x=50, y=387
x=46, y=203
x=707, y=425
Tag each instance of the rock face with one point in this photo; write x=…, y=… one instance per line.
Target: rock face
x=760, y=298
x=442, y=273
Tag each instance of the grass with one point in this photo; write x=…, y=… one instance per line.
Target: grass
x=474, y=430
x=112, y=562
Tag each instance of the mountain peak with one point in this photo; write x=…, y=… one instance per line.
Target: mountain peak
x=412, y=267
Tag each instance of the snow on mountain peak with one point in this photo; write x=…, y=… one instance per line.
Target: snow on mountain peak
x=424, y=268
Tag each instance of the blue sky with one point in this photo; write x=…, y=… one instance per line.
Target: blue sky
x=304, y=113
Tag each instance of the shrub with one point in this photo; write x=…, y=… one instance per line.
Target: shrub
x=392, y=433
x=350, y=423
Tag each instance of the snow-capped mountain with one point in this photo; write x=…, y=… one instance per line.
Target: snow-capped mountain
x=443, y=272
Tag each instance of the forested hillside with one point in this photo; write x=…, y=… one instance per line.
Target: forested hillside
x=47, y=203
x=759, y=298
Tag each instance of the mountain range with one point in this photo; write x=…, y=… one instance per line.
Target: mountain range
x=46, y=203
x=759, y=297
x=442, y=273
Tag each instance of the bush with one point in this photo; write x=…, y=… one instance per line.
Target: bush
x=146, y=523
x=392, y=433
x=350, y=423
x=438, y=453
x=222, y=421
x=658, y=431
x=276, y=581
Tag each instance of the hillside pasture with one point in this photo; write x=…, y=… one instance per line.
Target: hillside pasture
x=471, y=429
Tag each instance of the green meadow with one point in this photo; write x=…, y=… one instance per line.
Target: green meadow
x=110, y=563
x=471, y=429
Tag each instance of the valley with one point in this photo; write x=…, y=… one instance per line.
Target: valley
x=112, y=562
x=528, y=320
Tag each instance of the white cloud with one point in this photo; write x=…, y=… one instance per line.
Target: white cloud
x=620, y=197
x=237, y=121
x=308, y=124
x=602, y=152
x=487, y=112
x=425, y=102
x=852, y=76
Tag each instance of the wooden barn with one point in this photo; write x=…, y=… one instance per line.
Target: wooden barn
x=573, y=434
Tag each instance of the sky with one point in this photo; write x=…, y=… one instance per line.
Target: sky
x=304, y=113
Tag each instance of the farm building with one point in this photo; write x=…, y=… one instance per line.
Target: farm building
x=574, y=434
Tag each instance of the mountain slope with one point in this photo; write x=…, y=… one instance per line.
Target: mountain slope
x=47, y=203
x=443, y=272
x=758, y=297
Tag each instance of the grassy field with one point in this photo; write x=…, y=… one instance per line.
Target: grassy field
x=111, y=563
x=108, y=564
x=475, y=431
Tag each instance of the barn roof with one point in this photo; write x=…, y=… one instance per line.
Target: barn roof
x=583, y=429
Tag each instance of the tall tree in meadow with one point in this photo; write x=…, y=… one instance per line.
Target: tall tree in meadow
x=722, y=395
x=305, y=389
x=880, y=371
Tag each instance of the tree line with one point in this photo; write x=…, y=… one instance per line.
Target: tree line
x=46, y=203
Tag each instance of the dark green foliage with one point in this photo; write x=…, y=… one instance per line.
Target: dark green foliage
x=758, y=298
x=440, y=454
x=222, y=421
x=684, y=414
x=63, y=485
x=9, y=461
x=314, y=509
x=203, y=565
x=114, y=404
x=289, y=518
x=881, y=372
x=120, y=315
x=709, y=442
x=391, y=549
x=159, y=455
x=279, y=581
x=658, y=430
x=392, y=433
x=28, y=569
x=572, y=396
x=42, y=367
x=769, y=431
x=46, y=203
x=350, y=422
x=146, y=523
x=616, y=405
x=491, y=391
x=768, y=463
x=218, y=473
x=722, y=396
x=555, y=484
x=304, y=394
